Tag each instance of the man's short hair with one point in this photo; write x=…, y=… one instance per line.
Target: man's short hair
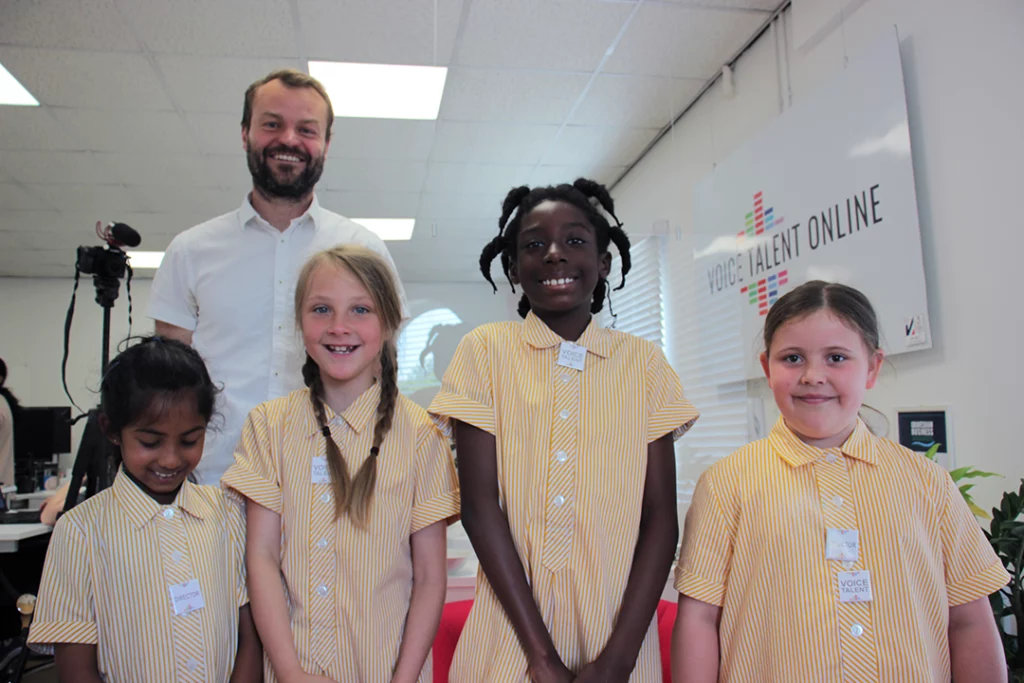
x=293, y=79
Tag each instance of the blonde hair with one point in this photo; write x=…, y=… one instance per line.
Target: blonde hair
x=354, y=496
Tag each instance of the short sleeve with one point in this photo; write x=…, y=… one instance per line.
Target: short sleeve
x=172, y=296
x=702, y=571
x=65, y=611
x=973, y=569
x=255, y=473
x=466, y=392
x=436, y=496
x=235, y=505
x=667, y=408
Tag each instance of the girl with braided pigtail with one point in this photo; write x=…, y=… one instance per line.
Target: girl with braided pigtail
x=564, y=432
x=362, y=555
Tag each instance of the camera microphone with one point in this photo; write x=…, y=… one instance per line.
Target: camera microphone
x=123, y=235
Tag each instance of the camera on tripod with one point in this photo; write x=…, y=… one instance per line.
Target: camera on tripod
x=109, y=262
x=107, y=265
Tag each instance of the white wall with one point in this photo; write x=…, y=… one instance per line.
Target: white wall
x=961, y=65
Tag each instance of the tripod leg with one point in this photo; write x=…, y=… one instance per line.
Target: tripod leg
x=91, y=458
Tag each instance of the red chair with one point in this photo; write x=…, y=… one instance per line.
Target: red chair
x=454, y=616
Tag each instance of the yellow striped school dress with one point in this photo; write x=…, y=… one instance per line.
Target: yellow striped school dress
x=107, y=575
x=572, y=458
x=755, y=544
x=348, y=588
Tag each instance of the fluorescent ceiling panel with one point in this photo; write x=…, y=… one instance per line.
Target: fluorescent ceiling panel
x=382, y=91
x=391, y=229
x=142, y=260
x=13, y=92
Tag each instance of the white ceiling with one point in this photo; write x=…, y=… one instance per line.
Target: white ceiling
x=142, y=101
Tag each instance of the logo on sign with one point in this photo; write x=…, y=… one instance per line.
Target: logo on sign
x=765, y=291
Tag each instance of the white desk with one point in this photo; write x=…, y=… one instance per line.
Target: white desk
x=12, y=534
x=33, y=501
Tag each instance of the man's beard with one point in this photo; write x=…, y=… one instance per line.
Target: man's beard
x=263, y=178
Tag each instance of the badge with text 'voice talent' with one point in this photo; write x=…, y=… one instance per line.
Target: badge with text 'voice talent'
x=572, y=356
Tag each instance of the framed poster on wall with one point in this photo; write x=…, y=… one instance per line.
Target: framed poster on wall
x=824, y=192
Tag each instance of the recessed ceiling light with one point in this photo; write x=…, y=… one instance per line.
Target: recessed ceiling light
x=142, y=260
x=382, y=91
x=13, y=92
x=391, y=229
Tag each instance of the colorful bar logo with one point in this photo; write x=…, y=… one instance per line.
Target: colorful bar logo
x=765, y=292
x=758, y=221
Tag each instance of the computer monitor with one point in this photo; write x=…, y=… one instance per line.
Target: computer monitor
x=42, y=432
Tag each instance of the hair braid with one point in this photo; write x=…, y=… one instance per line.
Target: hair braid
x=336, y=465
x=621, y=241
x=366, y=479
x=599, y=292
x=493, y=248
x=524, y=306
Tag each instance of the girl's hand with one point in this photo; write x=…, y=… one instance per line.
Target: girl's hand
x=309, y=678
x=601, y=670
x=547, y=671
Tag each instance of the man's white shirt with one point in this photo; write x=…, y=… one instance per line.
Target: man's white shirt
x=231, y=281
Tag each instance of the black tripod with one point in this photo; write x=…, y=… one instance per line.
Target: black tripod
x=93, y=459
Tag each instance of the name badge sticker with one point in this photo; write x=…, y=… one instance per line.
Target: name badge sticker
x=572, y=356
x=842, y=545
x=186, y=597
x=855, y=586
x=318, y=471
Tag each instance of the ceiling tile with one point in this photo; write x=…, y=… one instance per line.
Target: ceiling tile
x=126, y=131
x=157, y=228
x=497, y=143
x=392, y=32
x=373, y=174
x=208, y=201
x=635, y=101
x=370, y=204
x=475, y=179
x=557, y=35
x=764, y=6
x=103, y=201
x=381, y=139
x=153, y=169
x=473, y=233
x=556, y=175
x=681, y=42
x=33, y=128
x=217, y=133
x=230, y=170
x=226, y=28
x=435, y=206
x=38, y=166
x=18, y=197
x=82, y=25
x=214, y=84
x=496, y=95
x=37, y=263
x=599, y=145
x=96, y=80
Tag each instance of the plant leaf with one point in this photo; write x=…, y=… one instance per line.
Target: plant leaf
x=978, y=512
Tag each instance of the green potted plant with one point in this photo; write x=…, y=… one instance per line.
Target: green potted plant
x=959, y=475
x=1006, y=534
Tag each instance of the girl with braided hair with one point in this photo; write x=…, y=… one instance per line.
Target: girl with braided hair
x=362, y=556
x=564, y=433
